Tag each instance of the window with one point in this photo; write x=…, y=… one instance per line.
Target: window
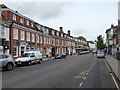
x=0, y=13
x=15, y=51
x=47, y=30
x=40, y=39
x=2, y=32
x=21, y=20
x=61, y=34
x=27, y=48
x=43, y=28
x=31, y=24
x=22, y=35
x=37, y=38
x=49, y=40
x=15, y=33
x=32, y=48
x=57, y=33
x=45, y=40
x=53, y=32
x=28, y=22
x=53, y=41
x=14, y=17
x=33, y=37
x=28, y=36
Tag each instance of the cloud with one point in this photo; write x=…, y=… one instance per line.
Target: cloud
x=40, y=10
x=79, y=31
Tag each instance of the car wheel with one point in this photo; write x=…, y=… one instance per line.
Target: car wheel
x=40, y=61
x=9, y=66
x=29, y=63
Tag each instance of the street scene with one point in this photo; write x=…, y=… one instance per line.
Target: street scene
x=70, y=45
x=85, y=71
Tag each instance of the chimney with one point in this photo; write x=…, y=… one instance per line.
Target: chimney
x=69, y=32
x=61, y=29
x=112, y=25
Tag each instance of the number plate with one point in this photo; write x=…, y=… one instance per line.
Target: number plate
x=19, y=63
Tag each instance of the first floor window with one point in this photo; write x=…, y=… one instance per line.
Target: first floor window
x=22, y=35
x=28, y=36
x=33, y=37
x=37, y=38
x=40, y=39
x=15, y=33
x=15, y=51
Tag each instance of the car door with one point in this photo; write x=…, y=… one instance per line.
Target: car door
x=4, y=59
x=33, y=58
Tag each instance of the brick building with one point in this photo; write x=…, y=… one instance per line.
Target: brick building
x=26, y=34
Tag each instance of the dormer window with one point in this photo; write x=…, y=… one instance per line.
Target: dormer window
x=31, y=24
x=53, y=32
x=61, y=34
x=28, y=22
x=21, y=20
x=57, y=33
x=14, y=17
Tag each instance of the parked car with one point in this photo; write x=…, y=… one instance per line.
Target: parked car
x=29, y=58
x=60, y=55
x=118, y=55
x=84, y=52
x=100, y=54
x=6, y=62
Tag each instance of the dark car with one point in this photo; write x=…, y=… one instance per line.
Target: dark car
x=60, y=55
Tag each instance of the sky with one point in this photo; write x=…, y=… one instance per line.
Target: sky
x=88, y=19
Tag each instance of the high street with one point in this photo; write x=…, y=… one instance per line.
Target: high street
x=84, y=71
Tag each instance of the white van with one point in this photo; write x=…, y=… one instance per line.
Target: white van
x=29, y=57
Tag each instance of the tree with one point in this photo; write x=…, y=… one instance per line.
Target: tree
x=100, y=42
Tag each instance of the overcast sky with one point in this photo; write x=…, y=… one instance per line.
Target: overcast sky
x=88, y=19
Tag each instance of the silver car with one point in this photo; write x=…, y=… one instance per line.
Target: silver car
x=100, y=54
x=6, y=62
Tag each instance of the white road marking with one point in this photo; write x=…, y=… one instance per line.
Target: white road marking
x=80, y=84
x=84, y=78
x=112, y=76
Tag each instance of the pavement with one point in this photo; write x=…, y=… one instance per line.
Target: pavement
x=83, y=71
x=114, y=64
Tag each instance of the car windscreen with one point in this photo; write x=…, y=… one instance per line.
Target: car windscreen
x=25, y=54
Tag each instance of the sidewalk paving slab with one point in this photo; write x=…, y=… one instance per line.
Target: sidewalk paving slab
x=114, y=64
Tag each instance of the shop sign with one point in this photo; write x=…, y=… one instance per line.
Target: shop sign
x=30, y=43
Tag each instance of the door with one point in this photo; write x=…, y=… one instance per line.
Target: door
x=22, y=50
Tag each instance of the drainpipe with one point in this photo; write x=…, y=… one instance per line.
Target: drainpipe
x=10, y=39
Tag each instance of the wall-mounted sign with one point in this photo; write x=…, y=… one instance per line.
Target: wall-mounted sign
x=17, y=41
x=39, y=45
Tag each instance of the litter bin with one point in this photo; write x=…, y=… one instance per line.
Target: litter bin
x=118, y=55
